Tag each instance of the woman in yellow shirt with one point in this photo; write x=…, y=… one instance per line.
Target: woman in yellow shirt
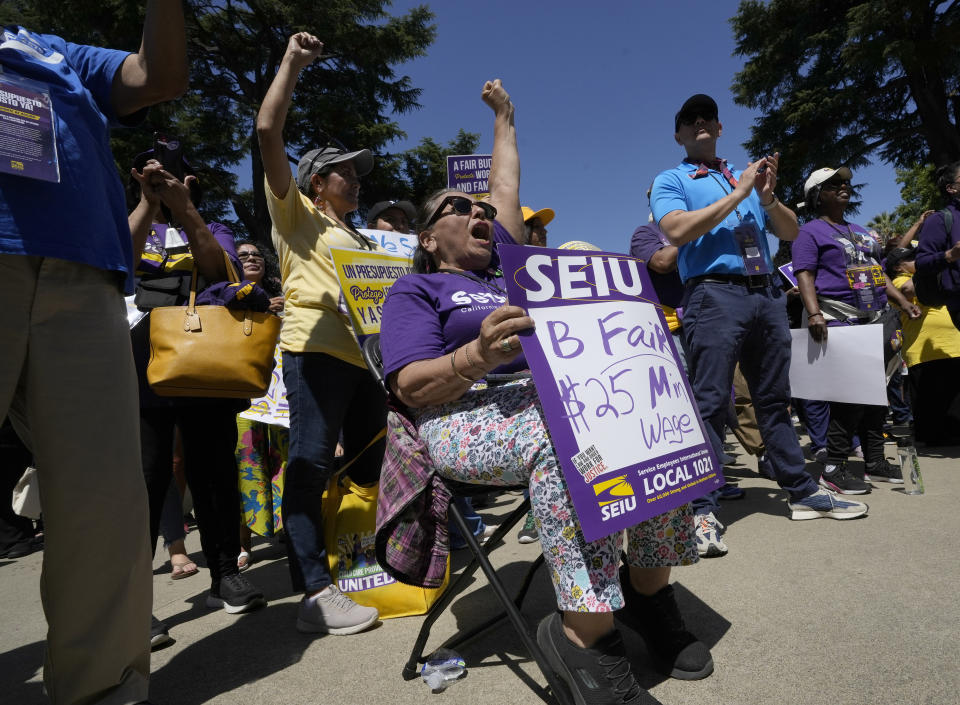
x=931, y=349
x=329, y=389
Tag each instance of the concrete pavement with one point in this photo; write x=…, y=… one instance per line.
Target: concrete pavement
x=857, y=612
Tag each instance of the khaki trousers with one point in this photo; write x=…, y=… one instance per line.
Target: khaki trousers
x=67, y=381
x=747, y=430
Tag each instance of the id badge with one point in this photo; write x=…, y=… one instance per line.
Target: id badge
x=28, y=140
x=862, y=281
x=748, y=240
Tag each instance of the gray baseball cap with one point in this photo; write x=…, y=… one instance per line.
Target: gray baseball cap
x=315, y=159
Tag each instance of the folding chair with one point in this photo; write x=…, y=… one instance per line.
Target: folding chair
x=511, y=607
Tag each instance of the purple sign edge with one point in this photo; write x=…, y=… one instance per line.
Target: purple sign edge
x=513, y=259
x=787, y=271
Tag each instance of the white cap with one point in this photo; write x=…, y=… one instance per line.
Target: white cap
x=821, y=175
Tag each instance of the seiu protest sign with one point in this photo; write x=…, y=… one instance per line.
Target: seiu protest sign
x=616, y=400
x=469, y=173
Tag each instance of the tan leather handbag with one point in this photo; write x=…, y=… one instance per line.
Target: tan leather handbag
x=211, y=351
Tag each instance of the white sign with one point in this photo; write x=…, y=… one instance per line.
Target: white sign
x=847, y=368
x=391, y=242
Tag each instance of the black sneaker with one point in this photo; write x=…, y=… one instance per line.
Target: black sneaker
x=22, y=548
x=599, y=675
x=885, y=472
x=675, y=651
x=838, y=479
x=235, y=594
x=159, y=634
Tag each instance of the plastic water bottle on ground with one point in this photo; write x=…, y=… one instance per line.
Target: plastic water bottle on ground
x=909, y=467
x=442, y=667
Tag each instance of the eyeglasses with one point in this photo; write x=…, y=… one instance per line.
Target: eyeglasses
x=691, y=119
x=461, y=206
x=834, y=185
x=246, y=254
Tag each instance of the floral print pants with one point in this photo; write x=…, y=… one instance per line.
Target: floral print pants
x=261, y=462
x=497, y=436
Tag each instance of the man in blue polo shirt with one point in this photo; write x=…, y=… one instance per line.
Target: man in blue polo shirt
x=735, y=309
x=66, y=368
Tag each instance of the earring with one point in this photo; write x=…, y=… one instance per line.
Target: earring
x=319, y=203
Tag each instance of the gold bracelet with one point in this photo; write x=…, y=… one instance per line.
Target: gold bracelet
x=466, y=351
x=453, y=365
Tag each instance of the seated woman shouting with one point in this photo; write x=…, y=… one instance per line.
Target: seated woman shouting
x=445, y=328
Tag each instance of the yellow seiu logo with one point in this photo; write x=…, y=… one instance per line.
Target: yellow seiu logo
x=14, y=164
x=615, y=497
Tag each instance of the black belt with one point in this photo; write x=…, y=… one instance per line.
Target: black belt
x=751, y=281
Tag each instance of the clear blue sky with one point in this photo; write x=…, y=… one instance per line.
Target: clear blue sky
x=596, y=86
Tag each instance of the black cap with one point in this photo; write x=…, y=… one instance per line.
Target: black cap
x=695, y=105
x=381, y=206
x=896, y=257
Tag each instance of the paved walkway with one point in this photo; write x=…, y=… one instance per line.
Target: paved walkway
x=806, y=613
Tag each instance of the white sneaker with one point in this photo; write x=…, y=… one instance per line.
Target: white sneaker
x=332, y=612
x=709, y=542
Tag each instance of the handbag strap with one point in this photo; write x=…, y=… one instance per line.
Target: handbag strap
x=342, y=470
x=231, y=275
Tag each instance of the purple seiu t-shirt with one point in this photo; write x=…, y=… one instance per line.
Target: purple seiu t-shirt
x=647, y=240
x=828, y=252
x=155, y=262
x=429, y=315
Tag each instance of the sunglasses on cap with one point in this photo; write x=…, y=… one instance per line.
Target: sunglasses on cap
x=461, y=206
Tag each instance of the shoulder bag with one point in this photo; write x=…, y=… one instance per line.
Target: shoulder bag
x=211, y=351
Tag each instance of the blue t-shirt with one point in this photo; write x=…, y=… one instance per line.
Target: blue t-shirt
x=84, y=217
x=717, y=251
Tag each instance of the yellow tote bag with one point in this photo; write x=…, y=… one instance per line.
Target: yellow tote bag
x=350, y=524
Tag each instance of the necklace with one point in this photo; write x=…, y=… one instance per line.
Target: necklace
x=488, y=285
x=855, y=238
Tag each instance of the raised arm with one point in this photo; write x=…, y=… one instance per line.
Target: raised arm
x=141, y=217
x=158, y=72
x=505, y=166
x=204, y=247
x=908, y=236
x=302, y=50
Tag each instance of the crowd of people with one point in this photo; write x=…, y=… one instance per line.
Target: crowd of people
x=462, y=404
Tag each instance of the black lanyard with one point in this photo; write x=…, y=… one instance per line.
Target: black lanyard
x=488, y=285
x=364, y=243
x=856, y=239
x=723, y=188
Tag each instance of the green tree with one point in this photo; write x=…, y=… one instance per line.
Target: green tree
x=918, y=193
x=886, y=225
x=839, y=82
x=234, y=50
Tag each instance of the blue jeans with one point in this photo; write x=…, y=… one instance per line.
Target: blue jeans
x=325, y=395
x=815, y=415
x=725, y=322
